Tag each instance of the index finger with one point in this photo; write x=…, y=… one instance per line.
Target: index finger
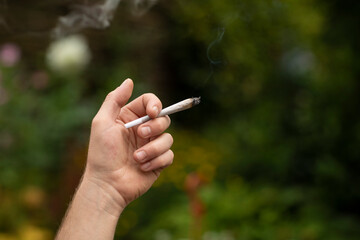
x=146, y=104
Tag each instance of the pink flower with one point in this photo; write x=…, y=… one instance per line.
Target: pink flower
x=9, y=54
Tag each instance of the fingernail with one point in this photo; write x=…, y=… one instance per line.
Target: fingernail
x=146, y=166
x=145, y=131
x=140, y=156
x=156, y=110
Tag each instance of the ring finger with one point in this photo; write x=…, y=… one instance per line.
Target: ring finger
x=154, y=148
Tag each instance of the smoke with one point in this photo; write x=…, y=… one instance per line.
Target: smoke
x=213, y=55
x=220, y=35
x=96, y=16
x=140, y=7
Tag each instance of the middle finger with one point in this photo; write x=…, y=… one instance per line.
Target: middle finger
x=154, y=127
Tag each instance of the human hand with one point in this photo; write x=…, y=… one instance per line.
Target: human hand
x=124, y=163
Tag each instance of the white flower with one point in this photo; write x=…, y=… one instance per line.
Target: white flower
x=69, y=54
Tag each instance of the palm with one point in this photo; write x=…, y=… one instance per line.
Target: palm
x=111, y=151
x=131, y=181
x=117, y=162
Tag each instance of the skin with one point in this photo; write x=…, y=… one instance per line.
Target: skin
x=122, y=164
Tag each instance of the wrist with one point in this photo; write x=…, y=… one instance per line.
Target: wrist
x=93, y=214
x=100, y=196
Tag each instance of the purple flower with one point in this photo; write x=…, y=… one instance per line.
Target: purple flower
x=9, y=54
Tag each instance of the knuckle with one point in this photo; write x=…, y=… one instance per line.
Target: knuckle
x=165, y=122
x=168, y=119
x=169, y=137
x=156, y=149
x=169, y=160
x=109, y=96
x=171, y=156
x=151, y=98
x=96, y=122
x=158, y=124
x=148, y=95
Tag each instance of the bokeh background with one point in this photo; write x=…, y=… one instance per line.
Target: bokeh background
x=272, y=152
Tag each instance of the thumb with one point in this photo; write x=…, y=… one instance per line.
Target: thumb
x=115, y=100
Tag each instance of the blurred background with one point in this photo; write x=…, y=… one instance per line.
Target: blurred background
x=272, y=152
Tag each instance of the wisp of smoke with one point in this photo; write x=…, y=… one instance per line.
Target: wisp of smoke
x=96, y=16
x=140, y=7
x=221, y=32
x=214, y=62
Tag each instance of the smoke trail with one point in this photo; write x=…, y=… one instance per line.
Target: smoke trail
x=221, y=32
x=96, y=16
x=214, y=62
x=140, y=7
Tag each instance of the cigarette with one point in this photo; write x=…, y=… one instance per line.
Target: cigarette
x=177, y=107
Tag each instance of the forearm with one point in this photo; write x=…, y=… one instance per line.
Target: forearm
x=122, y=164
x=93, y=214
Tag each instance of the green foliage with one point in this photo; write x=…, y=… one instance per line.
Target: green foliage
x=274, y=143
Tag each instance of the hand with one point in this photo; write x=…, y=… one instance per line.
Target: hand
x=125, y=163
